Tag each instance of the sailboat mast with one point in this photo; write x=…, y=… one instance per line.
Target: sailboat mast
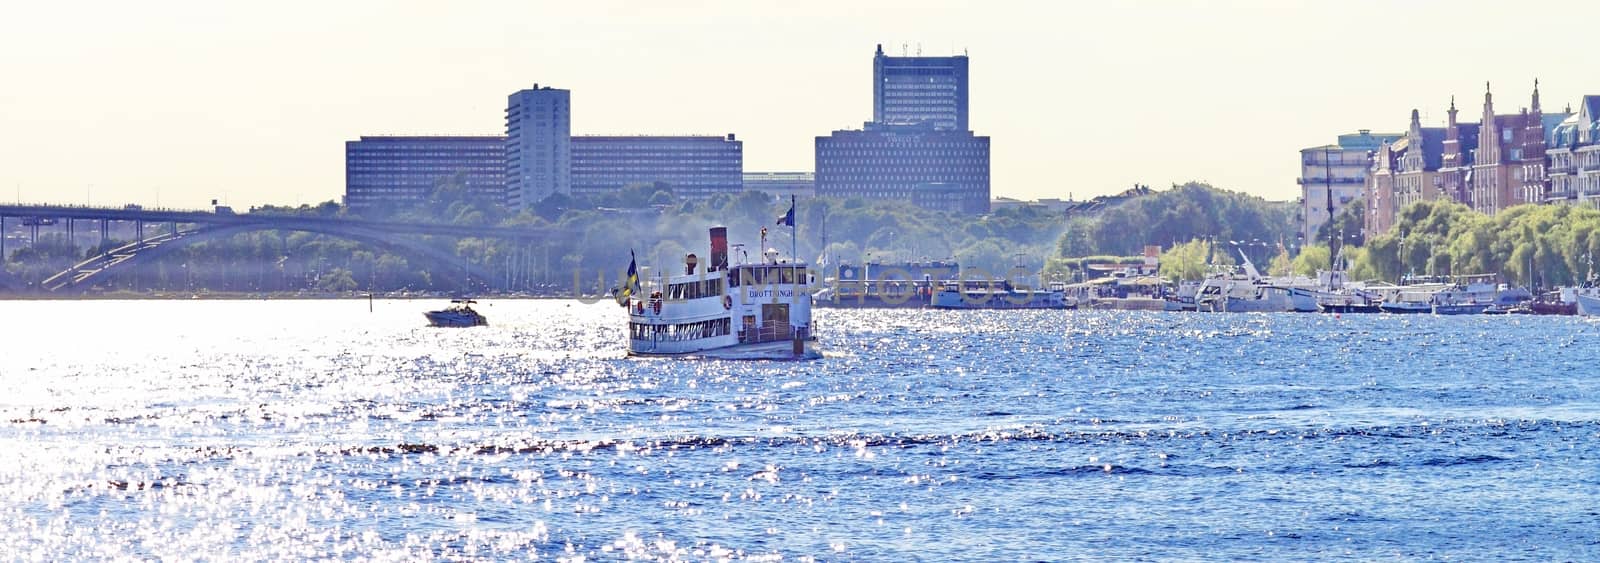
x=1327, y=177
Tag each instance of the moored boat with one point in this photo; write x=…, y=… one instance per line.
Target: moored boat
x=1000, y=295
x=1460, y=308
x=880, y=285
x=1589, y=304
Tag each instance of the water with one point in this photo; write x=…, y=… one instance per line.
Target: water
x=292, y=429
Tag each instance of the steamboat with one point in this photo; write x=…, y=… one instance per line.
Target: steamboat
x=758, y=310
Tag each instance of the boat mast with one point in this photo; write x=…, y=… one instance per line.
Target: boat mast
x=1327, y=180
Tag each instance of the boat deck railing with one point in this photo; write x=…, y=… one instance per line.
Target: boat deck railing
x=773, y=331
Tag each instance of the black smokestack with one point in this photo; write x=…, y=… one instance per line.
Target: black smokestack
x=719, y=249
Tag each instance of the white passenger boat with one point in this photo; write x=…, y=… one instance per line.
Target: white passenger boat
x=742, y=311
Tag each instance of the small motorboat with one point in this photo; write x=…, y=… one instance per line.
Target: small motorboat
x=458, y=314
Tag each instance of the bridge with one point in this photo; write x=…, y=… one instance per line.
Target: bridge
x=185, y=227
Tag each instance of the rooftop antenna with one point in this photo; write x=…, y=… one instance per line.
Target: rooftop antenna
x=903, y=48
x=919, y=49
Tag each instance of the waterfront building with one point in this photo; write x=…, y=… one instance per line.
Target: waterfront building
x=694, y=167
x=1455, y=164
x=921, y=164
x=1509, y=166
x=1339, y=169
x=398, y=171
x=781, y=185
x=1404, y=172
x=538, y=147
x=1574, y=155
x=909, y=90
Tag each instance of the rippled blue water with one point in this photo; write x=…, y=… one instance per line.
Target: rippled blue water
x=273, y=430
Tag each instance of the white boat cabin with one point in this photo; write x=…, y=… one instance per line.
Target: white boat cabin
x=721, y=306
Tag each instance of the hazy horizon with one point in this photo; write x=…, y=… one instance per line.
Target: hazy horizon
x=126, y=103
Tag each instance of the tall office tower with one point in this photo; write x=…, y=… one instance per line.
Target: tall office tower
x=910, y=90
x=935, y=169
x=538, y=145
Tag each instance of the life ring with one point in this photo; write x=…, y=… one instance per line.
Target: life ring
x=655, y=304
x=727, y=302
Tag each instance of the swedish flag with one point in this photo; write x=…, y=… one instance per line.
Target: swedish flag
x=632, y=282
x=788, y=218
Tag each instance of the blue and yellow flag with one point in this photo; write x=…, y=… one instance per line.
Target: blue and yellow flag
x=632, y=282
x=788, y=218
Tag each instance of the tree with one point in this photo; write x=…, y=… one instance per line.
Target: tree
x=1280, y=265
x=1349, y=224
x=337, y=280
x=1185, y=212
x=1311, y=259
x=1191, y=260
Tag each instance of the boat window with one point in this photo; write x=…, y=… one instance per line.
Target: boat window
x=787, y=276
x=733, y=277
x=760, y=276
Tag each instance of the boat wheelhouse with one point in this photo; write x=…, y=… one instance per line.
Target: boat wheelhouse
x=762, y=308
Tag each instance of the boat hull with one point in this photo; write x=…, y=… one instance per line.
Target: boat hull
x=1012, y=300
x=1406, y=308
x=1460, y=309
x=1589, y=305
x=753, y=351
x=454, y=320
x=1349, y=308
x=1545, y=308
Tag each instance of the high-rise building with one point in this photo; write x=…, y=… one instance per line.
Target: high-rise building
x=538, y=149
x=403, y=171
x=908, y=90
x=930, y=167
x=1338, y=170
x=692, y=166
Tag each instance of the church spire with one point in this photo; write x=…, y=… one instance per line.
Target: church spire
x=1452, y=111
x=1488, y=104
x=1535, y=95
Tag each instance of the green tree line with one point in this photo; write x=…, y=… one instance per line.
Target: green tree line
x=1528, y=245
x=588, y=239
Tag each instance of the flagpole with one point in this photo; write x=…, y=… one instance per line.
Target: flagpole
x=794, y=231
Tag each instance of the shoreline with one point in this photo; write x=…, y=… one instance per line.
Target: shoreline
x=243, y=296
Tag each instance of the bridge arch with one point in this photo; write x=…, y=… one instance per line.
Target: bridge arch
x=85, y=274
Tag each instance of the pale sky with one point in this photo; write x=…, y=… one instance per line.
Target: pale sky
x=128, y=102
